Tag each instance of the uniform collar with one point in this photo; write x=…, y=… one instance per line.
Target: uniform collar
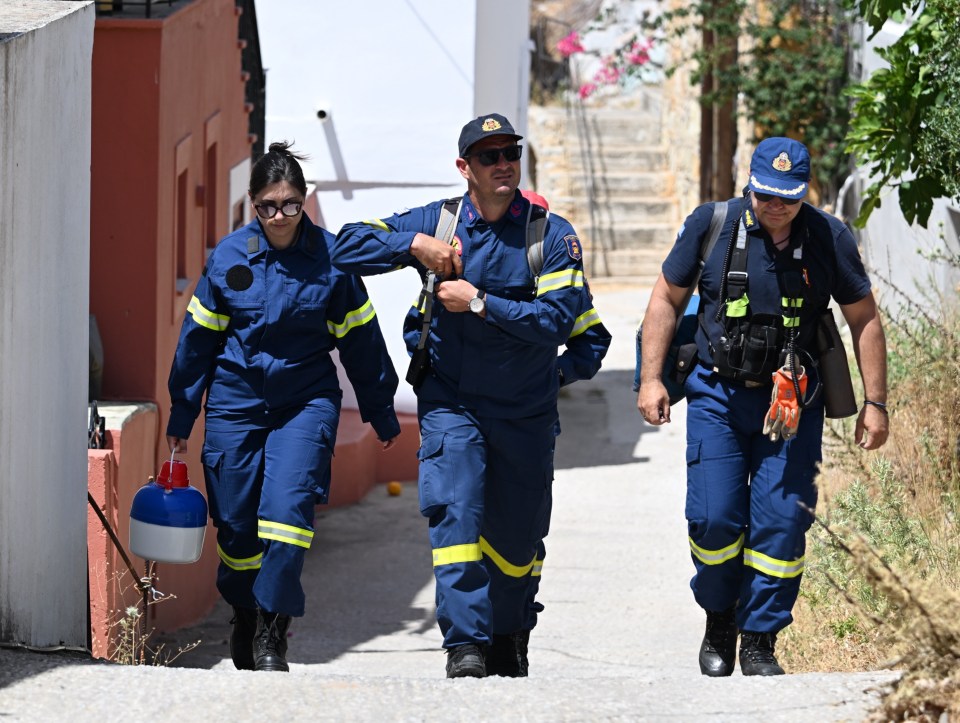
x=517, y=212
x=306, y=242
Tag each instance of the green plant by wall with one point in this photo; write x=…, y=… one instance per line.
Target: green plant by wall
x=906, y=118
x=791, y=72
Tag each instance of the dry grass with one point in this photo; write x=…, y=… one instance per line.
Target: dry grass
x=883, y=570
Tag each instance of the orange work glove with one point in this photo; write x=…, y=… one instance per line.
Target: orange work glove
x=783, y=418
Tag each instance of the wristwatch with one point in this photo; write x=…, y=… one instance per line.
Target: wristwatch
x=477, y=304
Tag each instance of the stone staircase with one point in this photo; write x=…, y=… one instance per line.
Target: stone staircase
x=605, y=169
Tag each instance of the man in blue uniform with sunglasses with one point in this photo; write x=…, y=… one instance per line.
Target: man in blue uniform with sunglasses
x=488, y=405
x=754, y=417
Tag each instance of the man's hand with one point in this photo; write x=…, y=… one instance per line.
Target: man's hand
x=455, y=295
x=653, y=401
x=872, y=429
x=176, y=444
x=437, y=256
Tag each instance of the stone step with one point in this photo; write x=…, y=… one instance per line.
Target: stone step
x=631, y=210
x=622, y=183
x=639, y=158
x=627, y=236
x=636, y=125
x=624, y=262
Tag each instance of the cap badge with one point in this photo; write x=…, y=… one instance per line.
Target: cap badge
x=490, y=124
x=782, y=162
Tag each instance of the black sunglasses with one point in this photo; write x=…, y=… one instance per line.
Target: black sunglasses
x=767, y=198
x=492, y=155
x=267, y=210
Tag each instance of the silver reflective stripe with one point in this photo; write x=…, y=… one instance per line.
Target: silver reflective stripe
x=284, y=533
x=716, y=557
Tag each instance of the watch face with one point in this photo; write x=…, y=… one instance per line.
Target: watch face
x=477, y=305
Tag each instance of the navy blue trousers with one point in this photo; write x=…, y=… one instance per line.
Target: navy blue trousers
x=486, y=487
x=747, y=532
x=264, y=477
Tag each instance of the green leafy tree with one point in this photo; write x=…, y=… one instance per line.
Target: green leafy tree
x=906, y=118
x=791, y=77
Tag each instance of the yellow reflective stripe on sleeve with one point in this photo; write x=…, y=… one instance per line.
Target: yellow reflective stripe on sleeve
x=716, y=557
x=456, y=553
x=247, y=563
x=507, y=568
x=205, y=317
x=377, y=223
x=560, y=280
x=284, y=533
x=772, y=566
x=584, y=322
x=357, y=317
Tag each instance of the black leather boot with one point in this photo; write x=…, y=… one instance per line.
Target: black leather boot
x=718, y=651
x=507, y=655
x=270, y=643
x=756, y=654
x=244, y=623
x=466, y=661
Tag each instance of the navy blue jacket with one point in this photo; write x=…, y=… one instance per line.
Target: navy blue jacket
x=260, y=328
x=504, y=365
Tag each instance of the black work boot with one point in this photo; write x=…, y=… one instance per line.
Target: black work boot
x=718, y=651
x=507, y=655
x=756, y=654
x=244, y=623
x=465, y=661
x=270, y=643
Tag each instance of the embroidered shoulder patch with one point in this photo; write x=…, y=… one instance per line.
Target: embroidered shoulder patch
x=574, y=250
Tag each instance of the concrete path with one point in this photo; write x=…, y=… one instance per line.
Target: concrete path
x=618, y=639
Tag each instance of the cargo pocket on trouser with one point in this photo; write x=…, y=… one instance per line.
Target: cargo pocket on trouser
x=318, y=475
x=695, y=508
x=217, y=497
x=436, y=486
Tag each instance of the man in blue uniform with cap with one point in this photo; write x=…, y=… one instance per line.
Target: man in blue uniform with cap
x=488, y=406
x=754, y=417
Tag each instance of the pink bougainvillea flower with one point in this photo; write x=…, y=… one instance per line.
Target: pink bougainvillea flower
x=570, y=45
x=586, y=90
x=639, y=53
x=608, y=74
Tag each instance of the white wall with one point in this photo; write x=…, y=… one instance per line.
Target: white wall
x=397, y=80
x=45, y=75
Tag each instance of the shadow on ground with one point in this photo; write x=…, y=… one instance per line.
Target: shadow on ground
x=599, y=422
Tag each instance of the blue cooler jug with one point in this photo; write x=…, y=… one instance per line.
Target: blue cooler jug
x=168, y=517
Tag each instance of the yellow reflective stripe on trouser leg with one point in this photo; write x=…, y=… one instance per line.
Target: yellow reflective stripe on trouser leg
x=284, y=533
x=355, y=318
x=206, y=318
x=234, y=563
x=508, y=568
x=771, y=565
x=716, y=557
x=456, y=553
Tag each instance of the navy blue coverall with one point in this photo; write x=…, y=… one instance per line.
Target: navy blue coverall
x=257, y=339
x=488, y=409
x=746, y=528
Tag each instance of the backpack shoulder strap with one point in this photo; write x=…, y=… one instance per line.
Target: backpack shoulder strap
x=449, y=215
x=536, y=229
x=716, y=225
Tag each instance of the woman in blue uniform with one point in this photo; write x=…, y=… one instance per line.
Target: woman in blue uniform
x=257, y=339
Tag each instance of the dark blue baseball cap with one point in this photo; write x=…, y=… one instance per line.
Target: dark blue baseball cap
x=780, y=167
x=492, y=124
